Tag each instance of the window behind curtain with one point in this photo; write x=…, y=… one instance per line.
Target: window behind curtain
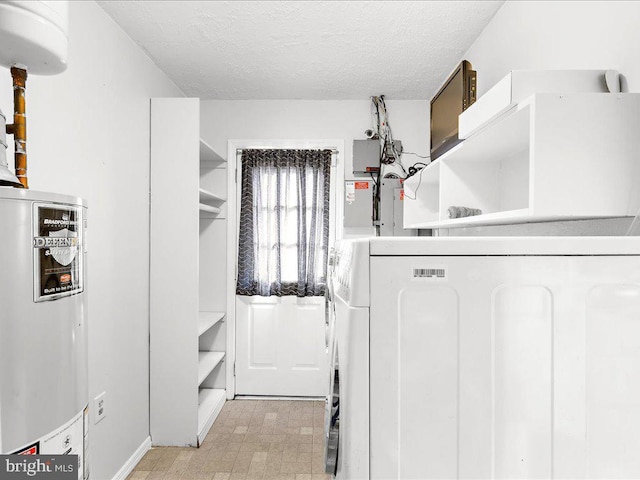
x=284, y=222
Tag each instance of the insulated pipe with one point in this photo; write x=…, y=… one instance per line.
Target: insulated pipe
x=19, y=127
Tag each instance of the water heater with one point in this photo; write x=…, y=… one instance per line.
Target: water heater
x=43, y=325
x=34, y=34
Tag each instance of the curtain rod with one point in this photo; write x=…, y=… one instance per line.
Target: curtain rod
x=240, y=150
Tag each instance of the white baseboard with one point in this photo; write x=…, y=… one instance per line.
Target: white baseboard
x=130, y=464
x=267, y=397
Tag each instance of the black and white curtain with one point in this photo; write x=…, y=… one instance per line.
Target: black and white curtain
x=284, y=222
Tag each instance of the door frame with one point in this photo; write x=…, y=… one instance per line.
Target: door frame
x=233, y=184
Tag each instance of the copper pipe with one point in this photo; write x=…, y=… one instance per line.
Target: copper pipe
x=19, y=127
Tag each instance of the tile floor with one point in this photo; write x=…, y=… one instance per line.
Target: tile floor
x=250, y=440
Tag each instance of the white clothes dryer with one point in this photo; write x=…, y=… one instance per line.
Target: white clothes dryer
x=506, y=357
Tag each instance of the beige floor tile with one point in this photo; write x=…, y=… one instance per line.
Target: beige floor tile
x=305, y=447
x=245, y=457
x=237, y=437
x=155, y=453
x=256, y=469
x=234, y=446
x=218, y=466
x=276, y=447
x=156, y=476
x=227, y=425
x=317, y=467
x=179, y=466
x=164, y=464
x=139, y=475
x=172, y=476
x=188, y=475
x=259, y=457
x=279, y=476
x=295, y=467
x=250, y=440
x=289, y=456
x=147, y=463
x=272, y=468
x=229, y=456
x=304, y=457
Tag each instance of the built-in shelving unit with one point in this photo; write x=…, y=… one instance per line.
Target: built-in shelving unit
x=188, y=339
x=211, y=326
x=550, y=157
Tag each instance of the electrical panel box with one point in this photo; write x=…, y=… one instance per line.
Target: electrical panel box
x=391, y=209
x=358, y=203
x=366, y=157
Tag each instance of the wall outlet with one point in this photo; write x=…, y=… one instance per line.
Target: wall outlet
x=99, y=407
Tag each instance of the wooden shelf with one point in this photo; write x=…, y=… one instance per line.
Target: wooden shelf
x=206, y=320
x=210, y=403
x=208, y=156
x=207, y=361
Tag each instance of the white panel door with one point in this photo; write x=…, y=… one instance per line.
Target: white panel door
x=280, y=346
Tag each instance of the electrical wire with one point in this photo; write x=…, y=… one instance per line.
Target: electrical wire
x=421, y=156
x=420, y=172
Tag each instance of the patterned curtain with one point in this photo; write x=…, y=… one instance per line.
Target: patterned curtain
x=284, y=223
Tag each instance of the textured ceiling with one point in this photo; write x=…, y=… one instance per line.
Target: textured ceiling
x=304, y=49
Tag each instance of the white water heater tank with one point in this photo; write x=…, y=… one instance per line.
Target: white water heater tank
x=34, y=34
x=43, y=326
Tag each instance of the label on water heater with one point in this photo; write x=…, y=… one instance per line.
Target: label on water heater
x=68, y=439
x=57, y=251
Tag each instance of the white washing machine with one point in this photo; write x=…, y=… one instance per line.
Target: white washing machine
x=488, y=358
x=347, y=415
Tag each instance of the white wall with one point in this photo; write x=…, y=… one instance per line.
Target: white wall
x=538, y=35
x=88, y=135
x=222, y=120
x=548, y=35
